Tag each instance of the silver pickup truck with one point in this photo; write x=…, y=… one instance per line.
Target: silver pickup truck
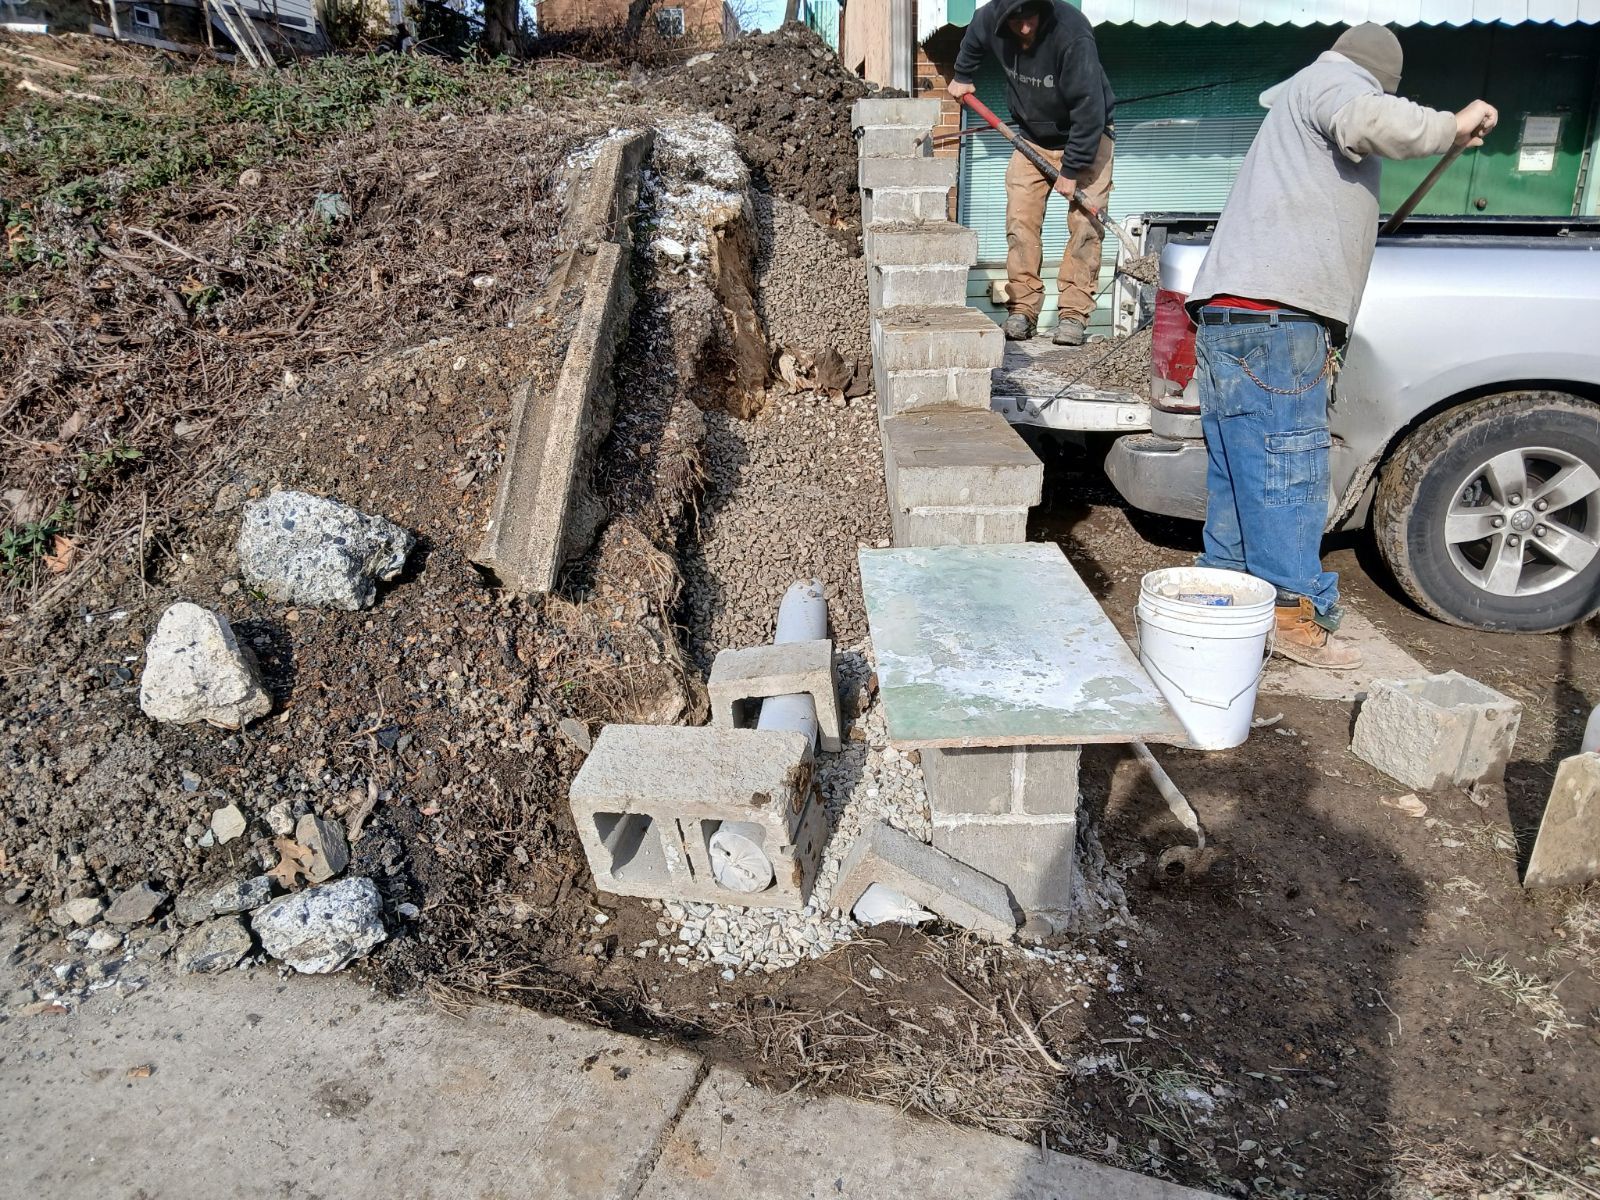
x=1465, y=420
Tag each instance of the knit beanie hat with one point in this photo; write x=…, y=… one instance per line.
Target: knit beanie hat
x=1376, y=49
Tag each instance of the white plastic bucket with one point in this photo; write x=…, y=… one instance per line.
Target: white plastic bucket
x=1207, y=658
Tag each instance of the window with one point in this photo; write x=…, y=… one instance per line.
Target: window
x=669, y=22
x=145, y=18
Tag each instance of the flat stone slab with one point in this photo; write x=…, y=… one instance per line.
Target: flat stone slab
x=951, y=889
x=1381, y=658
x=737, y=1140
x=1002, y=645
x=1567, y=851
x=320, y=1087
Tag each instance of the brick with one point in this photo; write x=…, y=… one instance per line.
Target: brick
x=649, y=797
x=1437, y=732
x=899, y=110
x=893, y=205
x=742, y=678
x=935, y=339
x=1567, y=850
x=958, y=526
x=933, y=243
x=941, y=884
x=907, y=391
x=948, y=457
x=895, y=141
x=879, y=174
x=1035, y=780
x=1035, y=857
x=898, y=287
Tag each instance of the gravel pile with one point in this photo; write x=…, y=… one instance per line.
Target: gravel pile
x=791, y=495
x=867, y=781
x=788, y=99
x=813, y=291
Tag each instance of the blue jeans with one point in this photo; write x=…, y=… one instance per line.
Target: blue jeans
x=1264, y=409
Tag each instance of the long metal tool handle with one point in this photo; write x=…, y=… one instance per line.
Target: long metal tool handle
x=1029, y=152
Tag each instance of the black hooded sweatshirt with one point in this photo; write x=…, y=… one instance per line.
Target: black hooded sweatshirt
x=1057, y=90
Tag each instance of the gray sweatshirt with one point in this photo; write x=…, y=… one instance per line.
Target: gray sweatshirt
x=1302, y=218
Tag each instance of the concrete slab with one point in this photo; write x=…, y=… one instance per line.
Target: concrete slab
x=736, y=1140
x=315, y=1086
x=1381, y=658
x=1567, y=852
x=953, y=890
x=1002, y=646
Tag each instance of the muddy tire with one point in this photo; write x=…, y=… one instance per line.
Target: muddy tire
x=1489, y=514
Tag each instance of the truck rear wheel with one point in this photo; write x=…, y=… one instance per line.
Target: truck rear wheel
x=1489, y=514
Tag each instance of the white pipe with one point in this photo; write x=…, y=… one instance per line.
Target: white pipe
x=738, y=860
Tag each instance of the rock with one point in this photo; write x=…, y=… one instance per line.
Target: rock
x=214, y=947
x=279, y=819
x=135, y=905
x=576, y=732
x=250, y=179
x=303, y=549
x=84, y=910
x=220, y=899
x=102, y=940
x=196, y=671
x=329, y=852
x=324, y=928
x=227, y=824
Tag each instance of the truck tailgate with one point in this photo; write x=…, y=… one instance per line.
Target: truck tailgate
x=1034, y=386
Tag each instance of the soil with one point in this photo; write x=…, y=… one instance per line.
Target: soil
x=788, y=99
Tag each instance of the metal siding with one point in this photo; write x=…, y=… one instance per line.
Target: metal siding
x=1294, y=12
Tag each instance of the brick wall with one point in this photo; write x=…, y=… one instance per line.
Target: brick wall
x=930, y=75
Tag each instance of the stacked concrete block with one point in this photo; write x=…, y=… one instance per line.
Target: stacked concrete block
x=1437, y=732
x=905, y=189
x=650, y=797
x=933, y=356
x=958, y=477
x=918, y=265
x=1010, y=812
x=741, y=679
x=898, y=128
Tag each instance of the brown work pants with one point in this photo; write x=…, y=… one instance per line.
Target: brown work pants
x=1026, y=193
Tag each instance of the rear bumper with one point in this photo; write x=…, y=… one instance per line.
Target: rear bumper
x=1160, y=475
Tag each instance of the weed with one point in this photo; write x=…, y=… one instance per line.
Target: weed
x=22, y=546
x=94, y=465
x=1521, y=990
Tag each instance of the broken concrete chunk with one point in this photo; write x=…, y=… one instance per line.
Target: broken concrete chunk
x=325, y=928
x=1438, y=731
x=213, y=947
x=195, y=670
x=227, y=823
x=222, y=899
x=953, y=890
x=102, y=940
x=329, y=853
x=1567, y=850
x=84, y=910
x=135, y=905
x=303, y=549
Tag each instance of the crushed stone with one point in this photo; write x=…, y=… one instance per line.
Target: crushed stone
x=813, y=291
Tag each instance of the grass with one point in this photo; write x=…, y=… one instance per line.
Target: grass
x=23, y=546
x=1522, y=991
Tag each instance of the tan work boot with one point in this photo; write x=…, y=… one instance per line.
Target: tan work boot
x=1300, y=638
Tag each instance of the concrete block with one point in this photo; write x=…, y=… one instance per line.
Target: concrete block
x=1434, y=732
x=950, y=387
x=946, y=457
x=1033, y=780
x=1035, y=857
x=898, y=205
x=901, y=110
x=886, y=174
x=936, y=881
x=958, y=526
x=928, y=244
x=649, y=798
x=936, y=338
x=741, y=679
x=1567, y=850
x=899, y=287
x=894, y=141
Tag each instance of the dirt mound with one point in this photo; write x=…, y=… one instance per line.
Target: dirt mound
x=788, y=98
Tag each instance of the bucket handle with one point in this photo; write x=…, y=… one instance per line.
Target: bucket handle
x=1272, y=639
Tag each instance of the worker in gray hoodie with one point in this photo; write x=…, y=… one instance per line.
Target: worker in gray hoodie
x=1273, y=301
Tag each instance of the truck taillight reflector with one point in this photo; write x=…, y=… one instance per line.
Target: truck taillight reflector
x=1172, y=347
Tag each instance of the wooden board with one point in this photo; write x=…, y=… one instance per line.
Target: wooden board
x=1002, y=646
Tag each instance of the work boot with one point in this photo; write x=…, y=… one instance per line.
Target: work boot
x=1018, y=327
x=1302, y=639
x=1070, y=332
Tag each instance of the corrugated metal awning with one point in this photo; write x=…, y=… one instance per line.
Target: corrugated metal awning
x=932, y=14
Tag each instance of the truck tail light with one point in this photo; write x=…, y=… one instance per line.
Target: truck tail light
x=1172, y=348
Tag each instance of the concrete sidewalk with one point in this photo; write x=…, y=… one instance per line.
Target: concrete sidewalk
x=316, y=1087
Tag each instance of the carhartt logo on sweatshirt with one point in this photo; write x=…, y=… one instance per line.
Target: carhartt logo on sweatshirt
x=1049, y=81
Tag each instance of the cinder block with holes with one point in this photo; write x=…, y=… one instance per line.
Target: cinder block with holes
x=649, y=798
x=1436, y=732
x=741, y=679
